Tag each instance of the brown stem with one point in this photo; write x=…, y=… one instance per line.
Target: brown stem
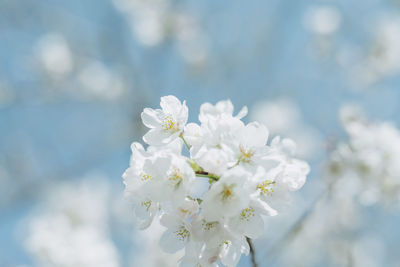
x=252, y=252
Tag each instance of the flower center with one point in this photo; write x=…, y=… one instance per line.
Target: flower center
x=247, y=213
x=225, y=243
x=145, y=176
x=207, y=226
x=246, y=154
x=227, y=193
x=266, y=187
x=146, y=204
x=182, y=233
x=176, y=176
x=169, y=125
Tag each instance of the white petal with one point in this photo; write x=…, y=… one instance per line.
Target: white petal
x=138, y=154
x=192, y=134
x=151, y=117
x=156, y=137
x=254, y=227
x=171, y=105
x=205, y=110
x=182, y=115
x=170, y=242
x=213, y=161
x=224, y=106
x=289, y=146
x=169, y=221
x=159, y=167
x=145, y=215
x=255, y=135
x=242, y=113
x=265, y=208
x=232, y=255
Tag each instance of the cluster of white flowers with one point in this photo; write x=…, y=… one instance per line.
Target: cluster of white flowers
x=369, y=159
x=155, y=21
x=246, y=178
x=84, y=79
x=361, y=171
x=328, y=231
x=72, y=230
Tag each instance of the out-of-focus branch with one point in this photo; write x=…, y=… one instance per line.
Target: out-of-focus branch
x=298, y=225
x=252, y=252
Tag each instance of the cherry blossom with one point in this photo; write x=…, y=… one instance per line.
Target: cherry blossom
x=247, y=176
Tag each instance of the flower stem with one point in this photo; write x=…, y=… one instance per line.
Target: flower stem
x=207, y=175
x=237, y=163
x=184, y=141
x=252, y=252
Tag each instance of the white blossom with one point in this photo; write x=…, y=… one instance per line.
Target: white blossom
x=167, y=123
x=226, y=197
x=247, y=177
x=72, y=229
x=370, y=157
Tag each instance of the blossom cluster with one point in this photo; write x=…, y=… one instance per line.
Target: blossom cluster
x=246, y=177
x=71, y=228
x=368, y=161
x=362, y=171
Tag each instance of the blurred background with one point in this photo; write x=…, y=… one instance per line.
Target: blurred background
x=75, y=76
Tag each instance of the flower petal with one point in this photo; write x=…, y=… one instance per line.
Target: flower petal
x=151, y=117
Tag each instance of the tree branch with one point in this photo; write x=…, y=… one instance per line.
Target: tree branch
x=252, y=252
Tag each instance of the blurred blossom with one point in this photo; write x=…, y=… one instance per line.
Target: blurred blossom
x=329, y=225
x=322, y=19
x=369, y=251
x=97, y=80
x=54, y=54
x=72, y=227
x=323, y=22
x=148, y=19
x=283, y=116
x=85, y=79
x=155, y=21
x=383, y=56
x=192, y=43
x=362, y=171
x=330, y=230
x=370, y=157
x=75, y=75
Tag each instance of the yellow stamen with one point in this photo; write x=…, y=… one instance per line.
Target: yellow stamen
x=176, y=176
x=246, y=155
x=169, y=124
x=145, y=176
x=207, y=226
x=247, y=213
x=146, y=204
x=227, y=193
x=182, y=233
x=266, y=187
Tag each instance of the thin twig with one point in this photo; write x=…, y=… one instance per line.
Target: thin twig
x=298, y=225
x=184, y=141
x=252, y=252
x=207, y=175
